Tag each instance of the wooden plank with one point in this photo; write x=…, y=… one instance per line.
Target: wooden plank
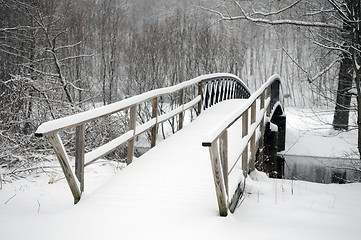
x=154, y=130
x=181, y=114
x=63, y=159
x=132, y=126
x=218, y=179
x=80, y=155
x=108, y=147
x=223, y=142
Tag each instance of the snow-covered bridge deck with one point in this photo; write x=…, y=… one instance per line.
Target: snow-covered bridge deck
x=175, y=176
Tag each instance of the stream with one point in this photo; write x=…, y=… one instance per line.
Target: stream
x=321, y=169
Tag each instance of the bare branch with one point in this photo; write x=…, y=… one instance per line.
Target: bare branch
x=249, y=17
x=67, y=46
x=325, y=70
x=75, y=57
x=331, y=47
x=18, y=28
x=273, y=13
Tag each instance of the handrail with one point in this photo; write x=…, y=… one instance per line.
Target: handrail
x=269, y=96
x=216, y=131
x=212, y=88
x=93, y=114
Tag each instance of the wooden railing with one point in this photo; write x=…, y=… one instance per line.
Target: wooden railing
x=210, y=89
x=266, y=98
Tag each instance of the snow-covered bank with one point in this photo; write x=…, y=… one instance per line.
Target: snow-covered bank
x=309, y=133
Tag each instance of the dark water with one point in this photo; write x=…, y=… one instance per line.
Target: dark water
x=322, y=170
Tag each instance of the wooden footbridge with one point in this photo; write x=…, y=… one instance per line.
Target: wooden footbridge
x=235, y=131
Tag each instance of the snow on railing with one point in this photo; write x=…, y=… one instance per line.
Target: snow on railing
x=268, y=96
x=212, y=88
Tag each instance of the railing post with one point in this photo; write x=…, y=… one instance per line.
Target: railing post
x=217, y=176
x=200, y=94
x=268, y=96
x=262, y=129
x=79, y=155
x=132, y=126
x=245, y=152
x=154, y=130
x=181, y=114
x=223, y=146
x=253, y=139
x=63, y=159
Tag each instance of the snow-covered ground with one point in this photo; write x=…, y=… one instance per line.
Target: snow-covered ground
x=148, y=201
x=309, y=133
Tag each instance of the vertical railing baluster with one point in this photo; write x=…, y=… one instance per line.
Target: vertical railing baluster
x=79, y=155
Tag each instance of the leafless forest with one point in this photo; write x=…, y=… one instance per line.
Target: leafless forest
x=65, y=56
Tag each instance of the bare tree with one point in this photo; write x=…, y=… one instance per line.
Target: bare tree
x=335, y=26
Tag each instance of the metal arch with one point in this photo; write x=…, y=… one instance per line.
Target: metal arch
x=220, y=88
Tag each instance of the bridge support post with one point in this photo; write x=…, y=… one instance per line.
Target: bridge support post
x=280, y=121
x=270, y=154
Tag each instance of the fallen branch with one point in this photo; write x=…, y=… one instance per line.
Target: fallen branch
x=10, y=198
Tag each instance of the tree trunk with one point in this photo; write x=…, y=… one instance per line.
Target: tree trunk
x=345, y=78
x=343, y=101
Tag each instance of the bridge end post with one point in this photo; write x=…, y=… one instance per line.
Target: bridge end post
x=218, y=179
x=63, y=159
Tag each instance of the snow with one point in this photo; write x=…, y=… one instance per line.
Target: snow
x=168, y=193
x=310, y=133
